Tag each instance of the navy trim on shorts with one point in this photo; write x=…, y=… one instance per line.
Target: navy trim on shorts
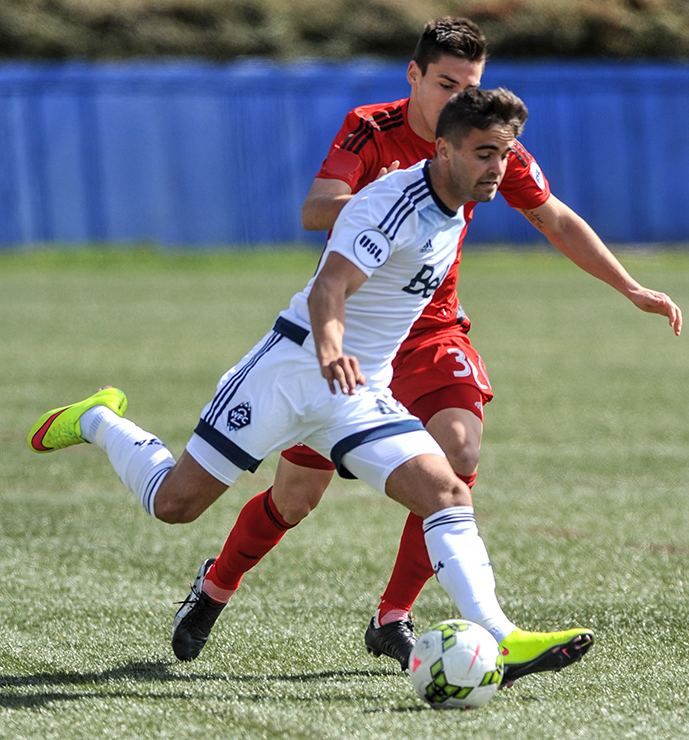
x=223, y=397
x=347, y=444
x=226, y=447
x=291, y=330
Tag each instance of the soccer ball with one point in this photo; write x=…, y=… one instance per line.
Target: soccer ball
x=456, y=663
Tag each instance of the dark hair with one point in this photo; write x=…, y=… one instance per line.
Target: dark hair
x=457, y=37
x=477, y=108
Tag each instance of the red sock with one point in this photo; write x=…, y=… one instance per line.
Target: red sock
x=411, y=570
x=259, y=527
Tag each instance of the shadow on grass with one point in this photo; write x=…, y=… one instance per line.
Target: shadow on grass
x=145, y=673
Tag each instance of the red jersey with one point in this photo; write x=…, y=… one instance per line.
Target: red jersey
x=373, y=136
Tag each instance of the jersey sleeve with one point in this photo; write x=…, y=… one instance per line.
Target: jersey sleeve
x=357, y=235
x=524, y=184
x=347, y=158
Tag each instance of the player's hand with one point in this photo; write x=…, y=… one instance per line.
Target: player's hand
x=345, y=373
x=395, y=165
x=654, y=301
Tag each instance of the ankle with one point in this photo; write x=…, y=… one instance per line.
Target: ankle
x=91, y=420
x=387, y=615
x=217, y=593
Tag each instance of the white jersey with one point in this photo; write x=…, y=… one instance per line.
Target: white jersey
x=399, y=233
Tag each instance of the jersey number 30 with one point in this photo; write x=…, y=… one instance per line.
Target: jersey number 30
x=466, y=368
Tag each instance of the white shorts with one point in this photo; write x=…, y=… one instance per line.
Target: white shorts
x=275, y=397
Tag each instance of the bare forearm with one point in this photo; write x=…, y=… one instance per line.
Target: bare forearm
x=574, y=238
x=320, y=212
x=326, y=311
x=569, y=233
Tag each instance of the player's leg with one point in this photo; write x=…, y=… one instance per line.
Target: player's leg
x=187, y=491
x=458, y=430
x=173, y=492
x=180, y=492
x=275, y=408
x=428, y=487
x=266, y=517
x=261, y=524
x=301, y=478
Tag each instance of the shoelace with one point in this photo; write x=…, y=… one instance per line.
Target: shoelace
x=190, y=598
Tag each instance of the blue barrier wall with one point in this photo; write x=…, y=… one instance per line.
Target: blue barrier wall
x=197, y=154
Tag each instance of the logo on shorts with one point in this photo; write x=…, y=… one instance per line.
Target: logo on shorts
x=389, y=406
x=239, y=417
x=372, y=248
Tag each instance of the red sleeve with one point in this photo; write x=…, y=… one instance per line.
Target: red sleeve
x=346, y=157
x=524, y=184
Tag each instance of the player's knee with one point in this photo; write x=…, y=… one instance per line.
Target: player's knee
x=173, y=510
x=295, y=511
x=426, y=484
x=298, y=503
x=444, y=497
x=297, y=490
x=464, y=456
x=458, y=494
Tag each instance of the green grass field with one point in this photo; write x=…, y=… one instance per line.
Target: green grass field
x=581, y=499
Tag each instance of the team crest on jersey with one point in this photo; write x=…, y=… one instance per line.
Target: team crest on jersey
x=372, y=248
x=537, y=175
x=239, y=417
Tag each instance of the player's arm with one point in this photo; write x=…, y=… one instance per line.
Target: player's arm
x=336, y=281
x=572, y=236
x=323, y=204
x=327, y=197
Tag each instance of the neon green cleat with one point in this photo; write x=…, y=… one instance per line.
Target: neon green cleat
x=531, y=652
x=60, y=428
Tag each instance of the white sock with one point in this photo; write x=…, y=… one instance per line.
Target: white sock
x=140, y=459
x=463, y=568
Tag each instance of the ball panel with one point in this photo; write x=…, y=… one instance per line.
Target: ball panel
x=456, y=663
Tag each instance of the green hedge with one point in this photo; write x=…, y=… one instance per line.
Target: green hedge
x=227, y=29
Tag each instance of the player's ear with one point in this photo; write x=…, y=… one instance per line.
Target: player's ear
x=413, y=73
x=441, y=148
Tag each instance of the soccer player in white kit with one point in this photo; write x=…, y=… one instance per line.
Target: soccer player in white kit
x=390, y=248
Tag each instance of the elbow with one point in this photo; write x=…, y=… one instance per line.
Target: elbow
x=309, y=217
x=321, y=293
x=312, y=298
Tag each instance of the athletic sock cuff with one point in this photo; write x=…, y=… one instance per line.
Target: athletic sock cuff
x=272, y=511
x=453, y=515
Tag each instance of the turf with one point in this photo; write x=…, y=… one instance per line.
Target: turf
x=581, y=499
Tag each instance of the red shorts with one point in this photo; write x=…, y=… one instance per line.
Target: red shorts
x=307, y=458
x=444, y=373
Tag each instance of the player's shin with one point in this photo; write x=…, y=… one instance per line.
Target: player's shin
x=411, y=571
x=258, y=529
x=463, y=569
x=139, y=458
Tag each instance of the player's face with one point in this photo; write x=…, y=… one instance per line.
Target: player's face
x=430, y=91
x=475, y=168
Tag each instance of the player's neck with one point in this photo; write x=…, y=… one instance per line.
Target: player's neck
x=417, y=123
x=442, y=186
